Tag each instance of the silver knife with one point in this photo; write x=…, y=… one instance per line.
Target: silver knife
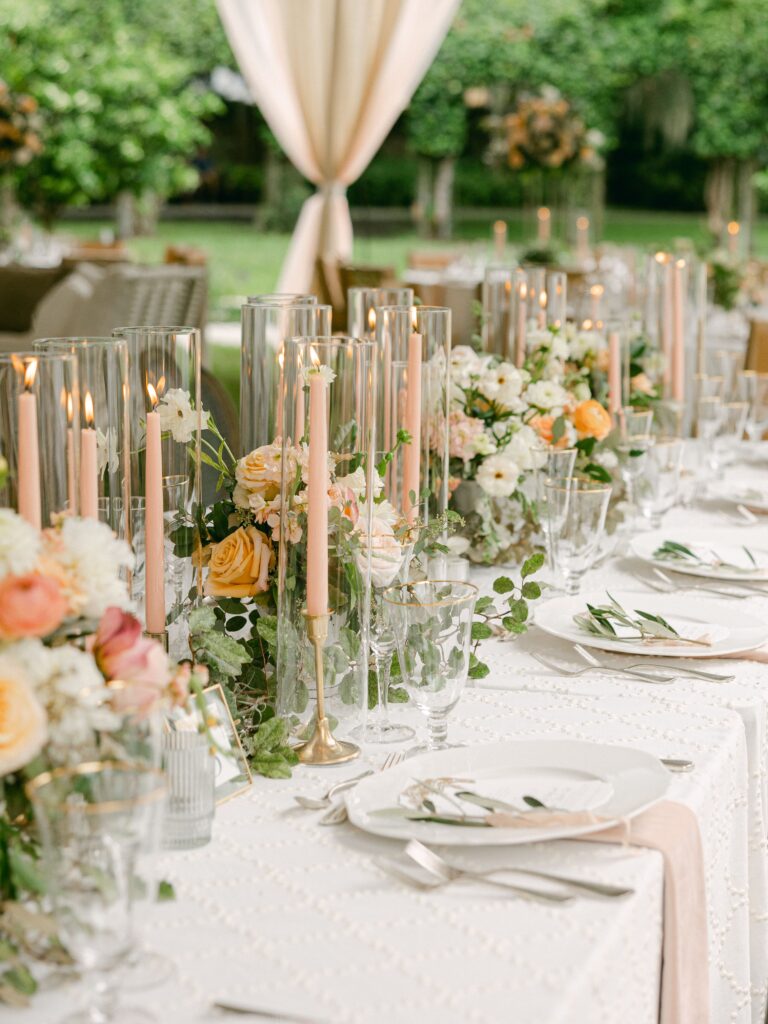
x=255, y=1011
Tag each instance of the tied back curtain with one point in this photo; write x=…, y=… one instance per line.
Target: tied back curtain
x=330, y=78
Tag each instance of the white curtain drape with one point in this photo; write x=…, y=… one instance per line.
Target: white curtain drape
x=330, y=78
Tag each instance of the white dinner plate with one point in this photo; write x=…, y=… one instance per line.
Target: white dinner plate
x=729, y=630
x=723, y=544
x=614, y=783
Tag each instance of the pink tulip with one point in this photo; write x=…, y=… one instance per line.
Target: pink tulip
x=126, y=657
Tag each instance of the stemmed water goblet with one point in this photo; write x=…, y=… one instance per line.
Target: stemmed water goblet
x=554, y=463
x=576, y=509
x=432, y=624
x=98, y=822
x=658, y=483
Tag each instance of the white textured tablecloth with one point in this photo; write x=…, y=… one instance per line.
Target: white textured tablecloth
x=282, y=913
x=738, y=914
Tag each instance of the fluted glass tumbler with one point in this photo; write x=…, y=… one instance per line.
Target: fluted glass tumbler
x=190, y=770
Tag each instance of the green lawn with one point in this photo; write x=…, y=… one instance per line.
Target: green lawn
x=244, y=261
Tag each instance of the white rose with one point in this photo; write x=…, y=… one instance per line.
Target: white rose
x=386, y=551
x=546, y=395
x=498, y=476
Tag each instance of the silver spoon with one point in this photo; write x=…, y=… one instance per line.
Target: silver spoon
x=527, y=894
x=320, y=803
x=435, y=865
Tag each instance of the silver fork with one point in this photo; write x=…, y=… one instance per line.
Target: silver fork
x=573, y=672
x=441, y=869
x=717, y=677
x=337, y=815
x=390, y=868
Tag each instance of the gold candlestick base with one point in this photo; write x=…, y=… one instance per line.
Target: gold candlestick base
x=322, y=747
x=160, y=638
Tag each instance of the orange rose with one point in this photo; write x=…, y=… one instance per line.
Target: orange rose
x=239, y=564
x=30, y=605
x=543, y=426
x=591, y=420
x=24, y=723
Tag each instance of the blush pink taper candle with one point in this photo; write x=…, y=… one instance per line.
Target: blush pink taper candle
x=678, y=331
x=89, y=472
x=522, y=314
x=317, y=499
x=28, y=455
x=412, y=453
x=614, y=374
x=154, y=564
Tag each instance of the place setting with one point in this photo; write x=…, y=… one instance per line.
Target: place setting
x=382, y=586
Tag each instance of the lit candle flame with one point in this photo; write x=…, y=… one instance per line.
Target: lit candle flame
x=413, y=317
x=314, y=356
x=507, y=286
x=281, y=359
x=543, y=299
x=161, y=385
x=681, y=263
x=733, y=227
x=661, y=257
x=587, y=325
x=523, y=290
x=70, y=409
x=596, y=290
x=88, y=405
x=582, y=223
x=152, y=395
x=543, y=213
x=371, y=319
x=29, y=373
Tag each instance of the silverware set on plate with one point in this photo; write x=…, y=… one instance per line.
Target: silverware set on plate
x=336, y=813
x=739, y=590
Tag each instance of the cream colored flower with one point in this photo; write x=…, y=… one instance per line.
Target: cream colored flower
x=23, y=722
x=239, y=565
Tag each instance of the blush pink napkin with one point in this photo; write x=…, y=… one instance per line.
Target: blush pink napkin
x=759, y=654
x=672, y=829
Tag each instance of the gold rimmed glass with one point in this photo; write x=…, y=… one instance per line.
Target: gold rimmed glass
x=635, y=437
x=99, y=824
x=432, y=623
x=576, y=509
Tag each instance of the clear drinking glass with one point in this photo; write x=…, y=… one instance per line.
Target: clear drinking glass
x=432, y=623
x=635, y=438
x=576, y=509
x=731, y=431
x=556, y=463
x=658, y=482
x=448, y=567
x=98, y=823
x=757, y=421
x=190, y=769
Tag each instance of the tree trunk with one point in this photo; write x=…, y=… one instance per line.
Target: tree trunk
x=718, y=192
x=7, y=212
x=273, y=184
x=125, y=215
x=746, y=206
x=446, y=172
x=148, y=213
x=421, y=210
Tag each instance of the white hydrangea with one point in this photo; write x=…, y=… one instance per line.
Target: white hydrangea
x=178, y=416
x=547, y=395
x=95, y=559
x=498, y=476
x=19, y=544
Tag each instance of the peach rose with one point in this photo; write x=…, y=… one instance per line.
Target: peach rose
x=23, y=723
x=640, y=382
x=239, y=565
x=591, y=420
x=258, y=475
x=30, y=605
x=543, y=427
x=603, y=360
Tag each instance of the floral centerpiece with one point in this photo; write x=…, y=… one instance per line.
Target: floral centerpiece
x=78, y=682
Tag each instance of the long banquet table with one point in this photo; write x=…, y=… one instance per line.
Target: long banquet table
x=283, y=914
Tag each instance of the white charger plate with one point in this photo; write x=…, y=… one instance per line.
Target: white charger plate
x=722, y=542
x=618, y=783
x=730, y=630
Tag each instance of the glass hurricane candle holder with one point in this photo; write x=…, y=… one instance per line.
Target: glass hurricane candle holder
x=557, y=298
x=398, y=358
x=39, y=442
x=537, y=296
x=266, y=328
x=100, y=405
x=363, y=304
x=340, y=424
x=167, y=420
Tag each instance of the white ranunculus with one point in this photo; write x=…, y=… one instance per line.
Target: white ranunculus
x=178, y=416
x=19, y=544
x=498, y=476
x=522, y=448
x=559, y=347
x=546, y=395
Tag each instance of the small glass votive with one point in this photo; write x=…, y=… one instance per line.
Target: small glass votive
x=452, y=568
x=190, y=773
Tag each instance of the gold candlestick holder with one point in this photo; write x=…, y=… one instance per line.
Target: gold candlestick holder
x=160, y=638
x=322, y=747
